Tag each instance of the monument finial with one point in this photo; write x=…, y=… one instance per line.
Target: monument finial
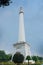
x=21, y=10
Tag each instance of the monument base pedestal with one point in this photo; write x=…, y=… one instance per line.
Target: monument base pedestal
x=23, y=48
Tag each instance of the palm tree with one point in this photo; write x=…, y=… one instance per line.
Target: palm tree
x=28, y=58
x=35, y=58
x=18, y=58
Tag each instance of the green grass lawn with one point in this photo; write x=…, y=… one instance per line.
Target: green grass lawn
x=11, y=63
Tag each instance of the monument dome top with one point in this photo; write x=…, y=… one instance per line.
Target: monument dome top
x=21, y=10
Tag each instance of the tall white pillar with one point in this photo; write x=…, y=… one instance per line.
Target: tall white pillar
x=21, y=26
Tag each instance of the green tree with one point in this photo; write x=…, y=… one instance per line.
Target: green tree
x=18, y=58
x=35, y=58
x=5, y=2
x=2, y=52
x=8, y=57
x=28, y=58
x=40, y=58
x=4, y=57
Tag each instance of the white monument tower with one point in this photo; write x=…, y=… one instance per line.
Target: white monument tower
x=22, y=46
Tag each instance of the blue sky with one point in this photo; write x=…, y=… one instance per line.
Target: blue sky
x=33, y=19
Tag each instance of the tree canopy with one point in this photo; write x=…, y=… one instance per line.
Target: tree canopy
x=5, y=2
x=4, y=57
x=35, y=58
x=18, y=58
x=28, y=58
x=40, y=58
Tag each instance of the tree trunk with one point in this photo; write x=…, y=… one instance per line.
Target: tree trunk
x=28, y=62
x=18, y=63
